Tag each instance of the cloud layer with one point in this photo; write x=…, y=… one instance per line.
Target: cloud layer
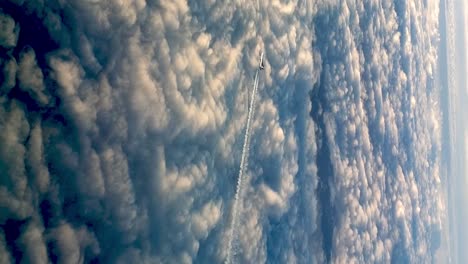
x=122, y=131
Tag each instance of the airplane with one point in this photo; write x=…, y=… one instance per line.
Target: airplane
x=261, y=65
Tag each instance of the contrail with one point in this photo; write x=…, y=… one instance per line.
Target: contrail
x=239, y=189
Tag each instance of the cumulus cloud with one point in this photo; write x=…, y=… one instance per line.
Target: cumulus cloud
x=30, y=77
x=32, y=241
x=122, y=126
x=9, y=31
x=378, y=127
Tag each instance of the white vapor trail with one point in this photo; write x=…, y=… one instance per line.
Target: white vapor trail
x=239, y=189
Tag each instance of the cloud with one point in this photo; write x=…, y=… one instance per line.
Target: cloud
x=380, y=136
x=10, y=30
x=71, y=245
x=30, y=77
x=123, y=130
x=32, y=241
x=5, y=255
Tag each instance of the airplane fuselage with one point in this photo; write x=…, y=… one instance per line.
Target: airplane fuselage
x=261, y=64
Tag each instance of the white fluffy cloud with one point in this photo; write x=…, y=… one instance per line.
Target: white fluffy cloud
x=382, y=128
x=123, y=130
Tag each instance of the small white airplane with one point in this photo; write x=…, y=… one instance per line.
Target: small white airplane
x=261, y=65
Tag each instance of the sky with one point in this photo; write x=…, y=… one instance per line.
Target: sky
x=457, y=92
x=123, y=123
